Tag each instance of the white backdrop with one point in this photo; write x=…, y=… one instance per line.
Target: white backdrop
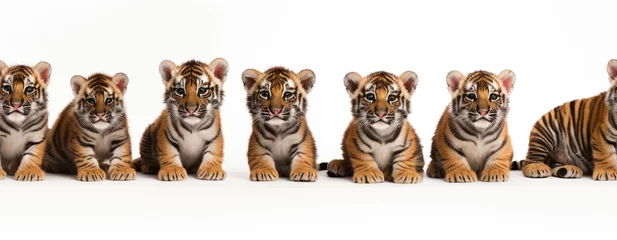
x=558, y=50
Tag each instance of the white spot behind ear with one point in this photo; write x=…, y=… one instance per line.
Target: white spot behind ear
x=307, y=79
x=3, y=67
x=44, y=70
x=219, y=68
x=249, y=77
x=352, y=83
x=611, y=68
x=167, y=69
x=507, y=78
x=410, y=81
x=454, y=79
x=76, y=83
x=121, y=81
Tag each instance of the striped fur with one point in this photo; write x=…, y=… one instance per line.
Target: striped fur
x=23, y=123
x=472, y=134
x=281, y=142
x=90, y=138
x=379, y=143
x=187, y=135
x=577, y=138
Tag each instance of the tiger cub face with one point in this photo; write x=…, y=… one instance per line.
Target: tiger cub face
x=278, y=95
x=381, y=100
x=23, y=91
x=480, y=98
x=99, y=102
x=194, y=89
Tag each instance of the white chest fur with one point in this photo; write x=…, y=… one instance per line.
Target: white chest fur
x=382, y=153
x=477, y=151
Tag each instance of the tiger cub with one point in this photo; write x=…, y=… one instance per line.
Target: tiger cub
x=577, y=138
x=187, y=135
x=23, y=123
x=281, y=142
x=472, y=134
x=379, y=143
x=91, y=136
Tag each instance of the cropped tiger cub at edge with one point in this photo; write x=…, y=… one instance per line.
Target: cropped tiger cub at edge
x=281, y=142
x=472, y=135
x=187, y=137
x=379, y=143
x=91, y=137
x=23, y=122
x=577, y=138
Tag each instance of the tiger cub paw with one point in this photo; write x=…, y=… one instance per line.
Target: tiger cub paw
x=122, y=174
x=338, y=168
x=211, y=173
x=461, y=176
x=30, y=174
x=407, y=177
x=494, y=175
x=264, y=174
x=604, y=174
x=567, y=171
x=2, y=174
x=303, y=175
x=173, y=173
x=91, y=175
x=536, y=170
x=369, y=176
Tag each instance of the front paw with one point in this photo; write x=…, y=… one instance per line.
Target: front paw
x=407, y=177
x=494, y=175
x=91, y=175
x=2, y=174
x=264, y=174
x=211, y=173
x=303, y=175
x=604, y=174
x=173, y=173
x=536, y=170
x=122, y=174
x=30, y=174
x=369, y=176
x=461, y=176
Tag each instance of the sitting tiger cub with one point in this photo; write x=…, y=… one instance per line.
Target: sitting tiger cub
x=281, y=142
x=472, y=135
x=91, y=136
x=577, y=138
x=23, y=123
x=187, y=135
x=379, y=143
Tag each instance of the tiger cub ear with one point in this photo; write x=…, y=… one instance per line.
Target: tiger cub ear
x=507, y=78
x=219, y=68
x=121, y=81
x=307, y=79
x=454, y=79
x=611, y=68
x=44, y=70
x=167, y=69
x=352, y=83
x=2, y=66
x=409, y=80
x=249, y=77
x=76, y=83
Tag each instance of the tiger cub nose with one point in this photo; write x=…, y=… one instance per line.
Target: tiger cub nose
x=100, y=115
x=276, y=111
x=16, y=105
x=483, y=112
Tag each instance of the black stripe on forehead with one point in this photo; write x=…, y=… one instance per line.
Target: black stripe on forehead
x=381, y=79
x=99, y=82
x=481, y=78
x=21, y=70
x=277, y=75
x=192, y=71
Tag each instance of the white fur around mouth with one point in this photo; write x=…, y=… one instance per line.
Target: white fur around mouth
x=100, y=124
x=16, y=117
x=191, y=119
x=380, y=125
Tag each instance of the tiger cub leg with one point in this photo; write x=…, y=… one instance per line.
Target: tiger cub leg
x=303, y=166
x=455, y=167
x=212, y=161
x=567, y=171
x=366, y=170
x=120, y=165
x=407, y=166
x=498, y=169
x=87, y=165
x=261, y=163
x=169, y=159
x=339, y=168
x=604, y=159
x=30, y=166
